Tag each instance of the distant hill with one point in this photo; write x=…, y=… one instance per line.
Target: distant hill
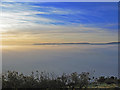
x=114, y=43
x=76, y=43
x=58, y=43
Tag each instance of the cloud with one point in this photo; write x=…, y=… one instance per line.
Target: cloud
x=57, y=34
x=23, y=14
x=45, y=13
x=26, y=15
x=43, y=22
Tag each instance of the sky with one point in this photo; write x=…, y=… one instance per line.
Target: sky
x=60, y=0
x=27, y=23
x=58, y=22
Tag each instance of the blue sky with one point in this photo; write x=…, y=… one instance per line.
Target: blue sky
x=90, y=14
x=94, y=14
x=100, y=19
x=61, y=0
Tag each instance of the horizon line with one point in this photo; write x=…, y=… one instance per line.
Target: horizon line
x=76, y=43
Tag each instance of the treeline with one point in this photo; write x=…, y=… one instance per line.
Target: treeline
x=13, y=79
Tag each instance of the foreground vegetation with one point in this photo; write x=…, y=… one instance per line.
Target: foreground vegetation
x=16, y=80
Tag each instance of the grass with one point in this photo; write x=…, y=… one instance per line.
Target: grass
x=103, y=85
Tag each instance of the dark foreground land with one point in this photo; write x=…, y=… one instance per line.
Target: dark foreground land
x=51, y=81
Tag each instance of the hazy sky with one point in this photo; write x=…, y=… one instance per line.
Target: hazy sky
x=28, y=23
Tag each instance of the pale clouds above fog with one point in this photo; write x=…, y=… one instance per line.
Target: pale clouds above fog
x=23, y=20
x=25, y=17
x=29, y=27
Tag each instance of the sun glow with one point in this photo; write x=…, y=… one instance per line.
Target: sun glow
x=0, y=41
x=27, y=24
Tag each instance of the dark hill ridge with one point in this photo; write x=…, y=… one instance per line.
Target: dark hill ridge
x=77, y=43
x=58, y=43
x=114, y=43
